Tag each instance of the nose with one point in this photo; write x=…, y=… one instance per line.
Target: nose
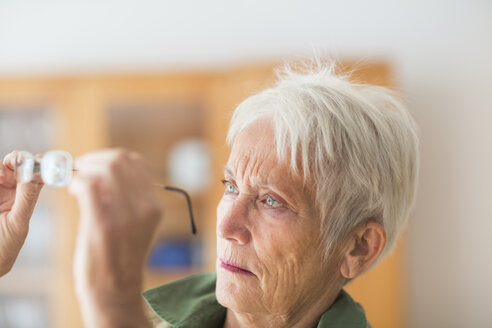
x=232, y=221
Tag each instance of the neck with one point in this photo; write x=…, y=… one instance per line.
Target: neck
x=307, y=315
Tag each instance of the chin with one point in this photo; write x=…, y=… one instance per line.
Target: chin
x=235, y=294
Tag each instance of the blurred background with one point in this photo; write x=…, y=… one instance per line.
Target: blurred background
x=162, y=78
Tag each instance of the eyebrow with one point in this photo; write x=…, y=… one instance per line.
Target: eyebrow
x=228, y=171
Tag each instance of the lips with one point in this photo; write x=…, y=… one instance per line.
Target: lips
x=234, y=268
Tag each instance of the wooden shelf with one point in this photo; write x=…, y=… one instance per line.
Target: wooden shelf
x=149, y=113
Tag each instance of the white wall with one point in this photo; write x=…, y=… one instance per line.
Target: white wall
x=442, y=53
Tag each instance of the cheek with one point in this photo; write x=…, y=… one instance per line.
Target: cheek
x=286, y=253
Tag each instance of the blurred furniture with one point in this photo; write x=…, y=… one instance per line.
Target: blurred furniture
x=150, y=114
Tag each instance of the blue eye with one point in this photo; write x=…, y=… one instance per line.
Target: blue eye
x=229, y=187
x=271, y=202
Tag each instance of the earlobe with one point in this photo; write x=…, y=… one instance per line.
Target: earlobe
x=345, y=269
x=365, y=246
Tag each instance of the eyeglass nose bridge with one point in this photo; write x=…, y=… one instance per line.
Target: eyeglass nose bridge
x=37, y=167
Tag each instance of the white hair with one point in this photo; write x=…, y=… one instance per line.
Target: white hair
x=357, y=143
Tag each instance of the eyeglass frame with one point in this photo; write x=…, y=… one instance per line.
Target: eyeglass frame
x=37, y=169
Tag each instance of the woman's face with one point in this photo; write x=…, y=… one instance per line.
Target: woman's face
x=268, y=236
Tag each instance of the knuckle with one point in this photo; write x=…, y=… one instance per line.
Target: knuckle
x=10, y=157
x=114, y=165
x=120, y=158
x=121, y=154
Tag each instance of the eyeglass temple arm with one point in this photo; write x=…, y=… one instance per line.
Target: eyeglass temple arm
x=181, y=191
x=188, y=201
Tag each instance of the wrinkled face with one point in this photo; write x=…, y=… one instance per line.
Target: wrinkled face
x=268, y=237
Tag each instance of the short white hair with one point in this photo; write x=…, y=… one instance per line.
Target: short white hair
x=357, y=143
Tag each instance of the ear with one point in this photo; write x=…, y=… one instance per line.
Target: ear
x=364, y=247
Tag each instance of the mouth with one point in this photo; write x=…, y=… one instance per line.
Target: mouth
x=234, y=268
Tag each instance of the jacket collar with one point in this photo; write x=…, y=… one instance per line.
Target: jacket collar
x=191, y=302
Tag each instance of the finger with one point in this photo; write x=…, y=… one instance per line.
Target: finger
x=107, y=164
x=135, y=184
x=122, y=169
x=125, y=175
x=92, y=229
x=2, y=174
x=7, y=177
x=9, y=159
x=92, y=160
x=26, y=196
x=109, y=186
x=88, y=193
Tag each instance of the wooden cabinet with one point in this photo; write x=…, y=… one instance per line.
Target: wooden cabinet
x=149, y=114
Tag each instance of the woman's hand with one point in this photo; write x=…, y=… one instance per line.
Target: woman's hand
x=17, y=203
x=119, y=213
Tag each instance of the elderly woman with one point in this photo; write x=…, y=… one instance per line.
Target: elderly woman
x=318, y=185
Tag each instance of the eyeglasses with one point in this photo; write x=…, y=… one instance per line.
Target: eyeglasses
x=55, y=168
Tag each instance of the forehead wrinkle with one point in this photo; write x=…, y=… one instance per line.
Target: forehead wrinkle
x=254, y=157
x=228, y=171
x=249, y=156
x=252, y=175
x=251, y=169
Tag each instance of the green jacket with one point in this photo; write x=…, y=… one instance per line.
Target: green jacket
x=191, y=302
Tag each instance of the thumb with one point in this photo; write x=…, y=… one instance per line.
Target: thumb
x=26, y=196
x=87, y=192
